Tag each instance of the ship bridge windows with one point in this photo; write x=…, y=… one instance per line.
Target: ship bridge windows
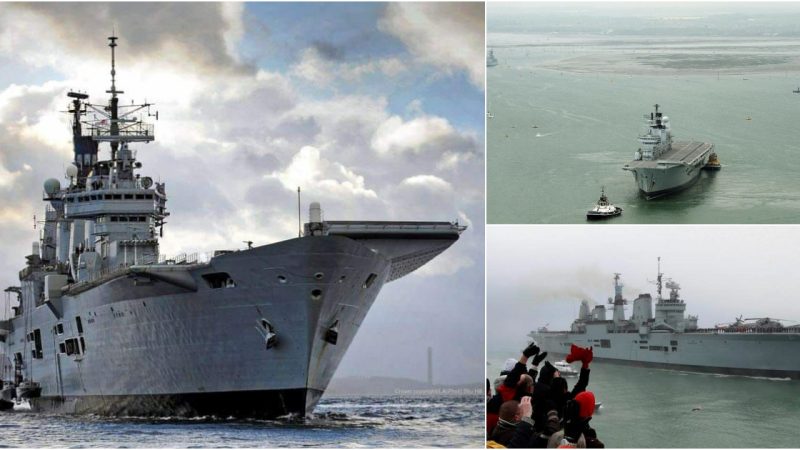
x=219, y=280
x=128, y=196
x=126, y=219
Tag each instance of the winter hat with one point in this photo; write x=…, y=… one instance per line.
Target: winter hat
x=508, y=366
x=586, y=401
x=546, y=373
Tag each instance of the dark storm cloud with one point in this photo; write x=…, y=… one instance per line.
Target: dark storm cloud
x=328, y=51
x=195, y=30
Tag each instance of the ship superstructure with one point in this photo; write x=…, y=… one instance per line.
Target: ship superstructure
x=671, y=339
x=103, y=324
x=662, y=166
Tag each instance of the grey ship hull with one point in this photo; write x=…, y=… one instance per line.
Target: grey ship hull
x=164, y=342
x=752, y=354
x=677, y=170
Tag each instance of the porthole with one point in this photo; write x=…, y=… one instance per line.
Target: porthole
x=281, y=279
x=341, y=278
x=319, y=275
x=316, y=294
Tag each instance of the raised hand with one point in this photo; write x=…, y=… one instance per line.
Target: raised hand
x=525, y=407
x=530, y=350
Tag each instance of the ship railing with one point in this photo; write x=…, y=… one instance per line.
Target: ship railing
x=134, y=131
x=743, y=330
x=108, y=273
x=184, y=258
x=392, y=226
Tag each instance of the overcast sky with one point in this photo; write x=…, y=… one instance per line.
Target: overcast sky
x=538, y=275
x=376, y=110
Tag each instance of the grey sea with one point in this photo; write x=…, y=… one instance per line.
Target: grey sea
x=656, y=408
x=565, y=112
x=387, y=421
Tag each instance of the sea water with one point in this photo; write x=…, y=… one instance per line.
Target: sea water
x=389, y=421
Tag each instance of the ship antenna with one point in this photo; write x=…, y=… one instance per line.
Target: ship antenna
x=299, y=215
x=114, y=100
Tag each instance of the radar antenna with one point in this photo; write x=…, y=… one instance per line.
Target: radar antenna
x=114, y=123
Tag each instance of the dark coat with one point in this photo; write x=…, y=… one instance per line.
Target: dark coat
x=526, y=437
x=505, y=392
x=559, y=399
x=503, y=432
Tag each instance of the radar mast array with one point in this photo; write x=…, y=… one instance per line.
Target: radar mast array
x=113, y=123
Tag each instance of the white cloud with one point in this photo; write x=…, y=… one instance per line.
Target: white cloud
x=397, y=135
x=313, y=67
x=7, y=179
x=309, y=169
x=446, y=35
x=430, y=182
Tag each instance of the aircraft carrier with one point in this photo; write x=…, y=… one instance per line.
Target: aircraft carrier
x=670, y=339
x=102, y=324
x=661, y=166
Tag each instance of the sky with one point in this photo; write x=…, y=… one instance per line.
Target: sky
x=375, y=109
x=537, y=276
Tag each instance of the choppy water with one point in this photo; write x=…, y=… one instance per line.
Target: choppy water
x=337, y=422
x=567, y=113
x=655, y=408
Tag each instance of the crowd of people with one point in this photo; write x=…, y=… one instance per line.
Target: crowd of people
x=529, y=407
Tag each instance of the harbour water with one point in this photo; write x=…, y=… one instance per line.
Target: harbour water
x=388, y=421
x=566, y=112
x=656, y=408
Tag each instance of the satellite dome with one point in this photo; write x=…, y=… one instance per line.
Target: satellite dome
x=72, y=171
x=51, y=186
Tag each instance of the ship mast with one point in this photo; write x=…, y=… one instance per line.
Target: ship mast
x=114, y=100
x=658, y=278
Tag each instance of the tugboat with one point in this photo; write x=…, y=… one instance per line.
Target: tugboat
x=491, y=60
x=797, y=91
x=603, y=209
x=713, y=162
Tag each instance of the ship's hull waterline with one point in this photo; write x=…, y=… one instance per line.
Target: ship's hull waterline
x=655, y=183
x=159, y=348
x=774, y=355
